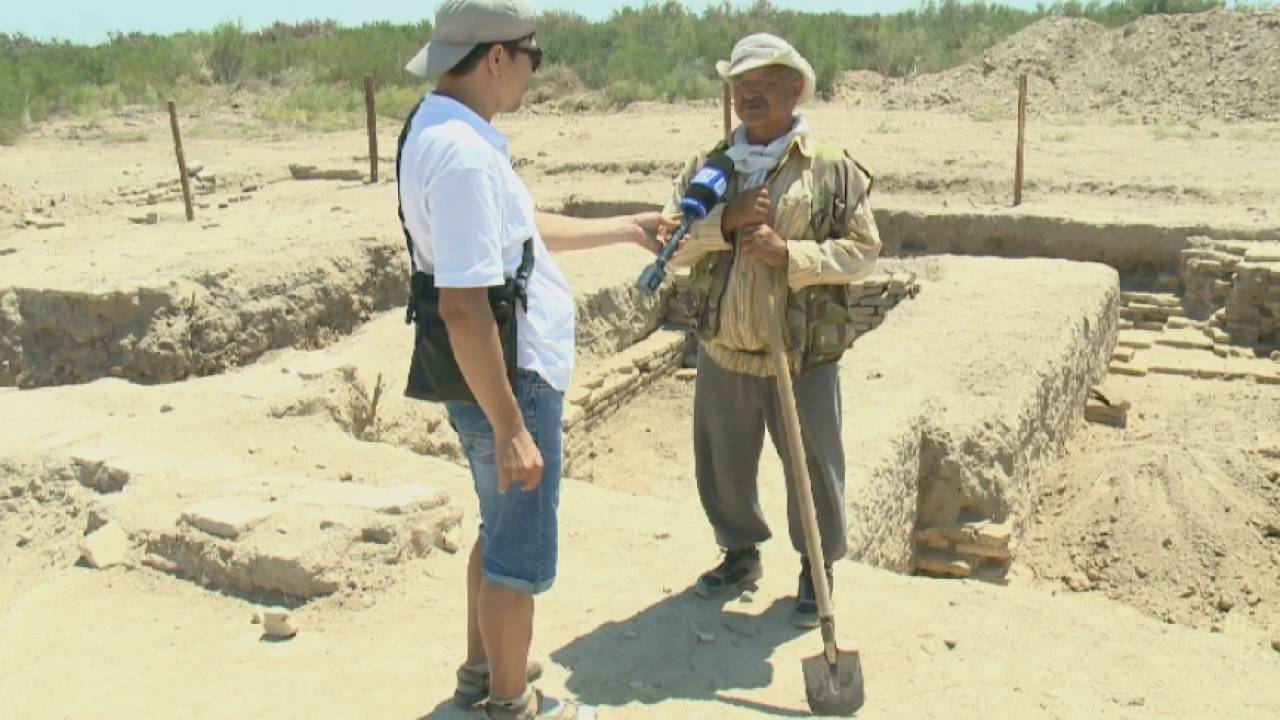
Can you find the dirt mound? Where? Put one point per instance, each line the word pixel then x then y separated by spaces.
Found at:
pixel 1176 514
pixel 1222 64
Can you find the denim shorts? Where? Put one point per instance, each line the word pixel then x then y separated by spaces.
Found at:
pixel 518 528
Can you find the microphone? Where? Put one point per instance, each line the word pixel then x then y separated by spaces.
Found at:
pixel 705 191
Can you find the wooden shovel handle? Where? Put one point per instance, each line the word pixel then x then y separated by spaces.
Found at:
pixel 799 464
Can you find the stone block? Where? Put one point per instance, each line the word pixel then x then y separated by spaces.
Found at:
pixel 1130 370
pixel 1172 370
pixel 996 534
pixel 105 547
pixel 944 564
pixel 1186 340
pixel 578 395
pixel 992 552
pixel 228 517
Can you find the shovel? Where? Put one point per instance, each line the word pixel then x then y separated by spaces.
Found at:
pixel 832 678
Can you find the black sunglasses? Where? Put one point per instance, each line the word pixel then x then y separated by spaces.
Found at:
pixel 535 54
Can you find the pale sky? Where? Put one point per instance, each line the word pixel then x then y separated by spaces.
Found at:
pixel 89 21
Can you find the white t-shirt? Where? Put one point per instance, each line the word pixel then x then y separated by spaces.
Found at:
pixel 469 215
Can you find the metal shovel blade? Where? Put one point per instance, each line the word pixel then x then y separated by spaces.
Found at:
pixel 833 691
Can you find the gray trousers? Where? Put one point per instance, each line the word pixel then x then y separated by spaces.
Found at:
pixel 730 414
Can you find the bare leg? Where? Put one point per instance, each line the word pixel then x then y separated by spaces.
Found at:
pixel 475 643
pixel 506 624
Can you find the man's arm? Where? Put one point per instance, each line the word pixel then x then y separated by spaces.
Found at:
pixel 563 233
pixel 842 260
pixel 473 335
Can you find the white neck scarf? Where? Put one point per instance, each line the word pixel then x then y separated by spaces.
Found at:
pixel 755 162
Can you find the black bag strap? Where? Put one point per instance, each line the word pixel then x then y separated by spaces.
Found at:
pixel 404 135
pixel 523 272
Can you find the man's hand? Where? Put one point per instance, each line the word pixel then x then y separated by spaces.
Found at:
pixel 651 230
pixel 765 246
pixel 519 460
pixel 748 208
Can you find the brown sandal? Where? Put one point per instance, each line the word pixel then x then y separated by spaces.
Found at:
pixel 536 706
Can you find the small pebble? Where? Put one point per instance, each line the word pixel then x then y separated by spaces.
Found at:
pixel 166 408
pixel 630 634
pixel 951 643
pixel 706 638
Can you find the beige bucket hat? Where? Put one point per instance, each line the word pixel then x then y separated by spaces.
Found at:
pixel 761 50
pixel 463 24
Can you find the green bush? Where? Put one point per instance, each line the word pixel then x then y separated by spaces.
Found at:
pixel 227 56
pixel 656 51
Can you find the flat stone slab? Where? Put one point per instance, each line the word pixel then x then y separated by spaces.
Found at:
pixel 105 547
pixel 1186 340
pixel 228 517
pixel 395 500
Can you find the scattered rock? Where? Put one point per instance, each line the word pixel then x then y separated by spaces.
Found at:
pixel 747 597
pixel 1077 582
pixel 166 408
pixel 1225 604
pixel 7 251
pixel 105 547
pixel 1275 644
pixel 25 539
pixel 451 540
pixel 256 619
pixel 311 172
pixel 951 643
pixel 706 638
pixel 687 374
pixel 276 624
pixel 630 634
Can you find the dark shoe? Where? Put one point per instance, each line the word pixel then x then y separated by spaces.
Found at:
pixel 738 568
pixel 806 608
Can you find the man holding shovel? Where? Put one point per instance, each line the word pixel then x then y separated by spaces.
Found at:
pixel 795 230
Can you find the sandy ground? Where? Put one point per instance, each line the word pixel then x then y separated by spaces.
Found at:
pixel 136 643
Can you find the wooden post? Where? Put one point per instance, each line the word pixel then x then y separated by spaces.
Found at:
pixel 372 121
pixel 728 115
pixel 182 160
pixel 1022 139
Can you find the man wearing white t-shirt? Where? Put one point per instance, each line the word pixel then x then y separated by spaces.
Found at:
pixel 468 216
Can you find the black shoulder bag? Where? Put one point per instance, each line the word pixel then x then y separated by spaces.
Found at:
pixel 434 374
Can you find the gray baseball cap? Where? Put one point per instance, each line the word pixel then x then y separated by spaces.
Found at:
pixel 463 24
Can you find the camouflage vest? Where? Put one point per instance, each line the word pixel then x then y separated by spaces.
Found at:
pixel 820 321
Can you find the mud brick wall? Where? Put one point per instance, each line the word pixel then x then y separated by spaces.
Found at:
pixel 1207 276
pixel 980 549
pixel 598 396
pixel 1237 286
